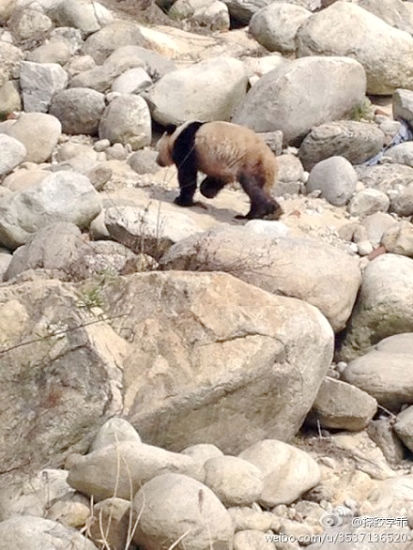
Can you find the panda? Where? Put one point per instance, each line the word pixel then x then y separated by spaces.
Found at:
pixel 225 153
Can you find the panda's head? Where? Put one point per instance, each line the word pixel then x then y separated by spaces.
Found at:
pixel 165 146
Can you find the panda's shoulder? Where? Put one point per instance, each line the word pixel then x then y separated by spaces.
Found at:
pixel 185 139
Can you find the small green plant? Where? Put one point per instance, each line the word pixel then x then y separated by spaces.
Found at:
pixel 91 298
pixel 362 111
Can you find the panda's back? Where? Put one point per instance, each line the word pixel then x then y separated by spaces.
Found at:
pixel 224 148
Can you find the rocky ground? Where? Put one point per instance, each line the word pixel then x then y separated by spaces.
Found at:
pixel 176 378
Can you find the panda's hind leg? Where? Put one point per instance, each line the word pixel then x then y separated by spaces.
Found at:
pixel 210 187
pixel 262 204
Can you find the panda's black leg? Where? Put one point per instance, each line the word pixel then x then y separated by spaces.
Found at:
pixel 187 184
pixel 262 205
pixel 210 187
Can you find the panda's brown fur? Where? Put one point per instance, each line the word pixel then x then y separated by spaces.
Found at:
pixel 225 153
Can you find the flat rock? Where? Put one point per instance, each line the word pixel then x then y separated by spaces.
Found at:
pixel 148 230
pixel 342 406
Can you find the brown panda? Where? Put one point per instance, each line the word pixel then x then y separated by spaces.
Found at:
pixel 226 153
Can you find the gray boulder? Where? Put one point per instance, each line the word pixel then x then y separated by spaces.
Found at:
pixel 384 371
pixel 208 90
pixel 367 202
pixel 122 468
pixel 191 513
pixel 53 247
pixel 79 110
pixel 39 133
pixel 276 25
pixel 81 14
pixel 39 83
pixel 235 481
pixel 61 197
pixel 315 89
pixel 114 35
pixel 398 239
pixel 288 472
pixel 401 154
pixel 384 306
pixel 342 406
pixel 347 29
pixel 335 178
pixel 127 120
pixel 355 141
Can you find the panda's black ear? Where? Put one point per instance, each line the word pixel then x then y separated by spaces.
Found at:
pixel 170 129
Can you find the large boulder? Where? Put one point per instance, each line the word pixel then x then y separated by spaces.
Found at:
pixel 39 82
pixel 384 372
pixel 191 513
pixel 346 29
pixel 314 89
pixel 127 120
pixel 384 306
pixel 60 376
pixel 208 90
pixel 119 33
pixel 315 272
pixel 288 472
pixel 39 133
pixel 276 25
pixel 233 346
pixel 341 406
pixel 80 14
pixel 355 141
pixel 61 197
pixel 79 110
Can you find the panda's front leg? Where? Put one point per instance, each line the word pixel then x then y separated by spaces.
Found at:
pixel 187 183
